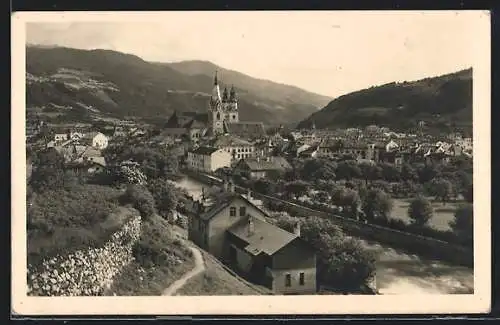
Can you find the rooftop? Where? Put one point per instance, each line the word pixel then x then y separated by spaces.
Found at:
pixel 204 150
pixel 265 237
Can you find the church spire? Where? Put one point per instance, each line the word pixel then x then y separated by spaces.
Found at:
pixel 232 94
pixel 216 91
pixel 225 95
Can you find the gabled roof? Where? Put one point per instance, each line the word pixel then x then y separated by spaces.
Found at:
pixel 274 163
pixel 246 129
pixel 265 237
pixel 230 141
pixel 90 135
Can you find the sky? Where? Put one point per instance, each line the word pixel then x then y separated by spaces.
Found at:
pixel 327 52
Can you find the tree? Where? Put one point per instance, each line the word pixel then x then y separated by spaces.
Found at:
pixel 164 194
pixel 377 204
pixel 408 173
pixel 468 193
pixel 420 211
pixel 346 198
pixel 390 173
pixel 441 188
pixel 263 186
pixel 370 172
pixel 428 172
pixel 141 199
pixel 296 188
pixel 130 173
pixel 321 196
pixel 463 222
pixel 348 170
pixel 342 262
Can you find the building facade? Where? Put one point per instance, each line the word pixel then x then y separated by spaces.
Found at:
pixel 222 108
pixel 208 159
pixel 233 229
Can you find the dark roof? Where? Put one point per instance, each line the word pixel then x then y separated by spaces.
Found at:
pixel 194 124
pixel 174 131
pixel 219 201
pixel 204 150
pixel 274 163
pixel 230 141
pixel 265 237
pixel 246 129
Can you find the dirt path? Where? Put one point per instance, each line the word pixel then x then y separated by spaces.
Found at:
pixel 198 268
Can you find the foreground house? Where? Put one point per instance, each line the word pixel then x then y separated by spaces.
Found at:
pixel 233 229
pixel 208 159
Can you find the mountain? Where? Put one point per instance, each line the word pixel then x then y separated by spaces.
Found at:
pixel 280 93
pixel 82 83
pixel 441 102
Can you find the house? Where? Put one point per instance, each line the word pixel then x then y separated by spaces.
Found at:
pixel 95 139
pixel 237 147
pixel 208 159
pixel 89 154
pixel 233 229
pixel 86 167
pixel 246 130
pixel 262 167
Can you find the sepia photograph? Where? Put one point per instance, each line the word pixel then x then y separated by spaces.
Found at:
pixel 251 162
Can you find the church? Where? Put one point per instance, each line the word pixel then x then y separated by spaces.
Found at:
pixel 222 118
pixel 223 115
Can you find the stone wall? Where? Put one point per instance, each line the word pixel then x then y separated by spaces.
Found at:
pixel 85 272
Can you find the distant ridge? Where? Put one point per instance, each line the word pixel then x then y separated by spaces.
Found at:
pixel 442 102
pixel 152 90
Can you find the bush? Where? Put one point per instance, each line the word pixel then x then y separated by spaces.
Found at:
pixel 156 245
pixel 141 199
pixel 420 211
pixel 61 221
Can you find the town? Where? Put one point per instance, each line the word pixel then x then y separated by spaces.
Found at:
pixel 279 209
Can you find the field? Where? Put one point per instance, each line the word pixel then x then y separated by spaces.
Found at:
pixel 216 281
pixel 443 214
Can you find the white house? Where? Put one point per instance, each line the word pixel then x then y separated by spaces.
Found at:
pixel 208 159
pixel 95 139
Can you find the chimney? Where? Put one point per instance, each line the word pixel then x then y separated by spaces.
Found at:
pixel 249 194
pixel 296 229
pixel 231 187
pixel 226 186
pixel 251 228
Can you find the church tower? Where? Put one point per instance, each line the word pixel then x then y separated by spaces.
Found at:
pixel 215 111
pixel 222 109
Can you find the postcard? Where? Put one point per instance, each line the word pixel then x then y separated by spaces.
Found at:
pixel 239 162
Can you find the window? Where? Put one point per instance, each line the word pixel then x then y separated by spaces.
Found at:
pixel 288 280
pixel 232 212
pixel 301 278
pixel 243 211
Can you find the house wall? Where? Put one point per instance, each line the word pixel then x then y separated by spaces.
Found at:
pixel 243 260
pixel 279 281
pixel 219 159
pixel 221 222
pixel 258 174
pixel 293 259
pixel 100 141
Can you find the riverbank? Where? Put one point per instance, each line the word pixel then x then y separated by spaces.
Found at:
pixel 397 271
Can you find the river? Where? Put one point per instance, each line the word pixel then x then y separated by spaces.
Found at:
pixel 398 272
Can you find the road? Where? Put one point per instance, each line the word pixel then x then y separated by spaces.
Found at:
pixel 199 267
